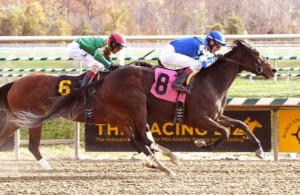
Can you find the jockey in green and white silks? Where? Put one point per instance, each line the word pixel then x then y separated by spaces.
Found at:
pixel 95 51
pixel 181 52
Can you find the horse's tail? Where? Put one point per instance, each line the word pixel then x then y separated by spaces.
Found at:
pixel 3 96
pixel 69 106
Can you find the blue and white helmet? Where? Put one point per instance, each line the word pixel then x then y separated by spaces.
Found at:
pixel 216 36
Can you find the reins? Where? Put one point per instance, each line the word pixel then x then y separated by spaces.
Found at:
pixel 258 67
pixel 141 58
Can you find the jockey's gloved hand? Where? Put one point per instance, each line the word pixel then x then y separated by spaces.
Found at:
pixel 220 56
pixel 108 68
pixel 113 66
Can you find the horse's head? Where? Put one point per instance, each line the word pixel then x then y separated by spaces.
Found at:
pixel 253 61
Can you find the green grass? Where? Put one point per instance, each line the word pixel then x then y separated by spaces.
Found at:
pixel 265 88
pixel 59 128
pixel 39 64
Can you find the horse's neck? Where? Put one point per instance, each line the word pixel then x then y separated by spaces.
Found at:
pixel 220 76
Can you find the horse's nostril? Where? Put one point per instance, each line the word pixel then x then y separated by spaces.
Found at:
pixel 274 70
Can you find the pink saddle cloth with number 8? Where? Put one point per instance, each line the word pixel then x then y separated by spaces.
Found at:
pixel 162 86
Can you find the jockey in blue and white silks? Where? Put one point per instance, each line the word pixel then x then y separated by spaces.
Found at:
pixel 181 52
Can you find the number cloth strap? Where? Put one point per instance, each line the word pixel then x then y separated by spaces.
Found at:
pixel 162 86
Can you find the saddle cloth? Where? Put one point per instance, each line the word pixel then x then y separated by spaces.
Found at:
pixel 162 86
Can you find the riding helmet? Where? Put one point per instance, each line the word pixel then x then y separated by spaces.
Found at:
pixel 217 37
pixel 117 38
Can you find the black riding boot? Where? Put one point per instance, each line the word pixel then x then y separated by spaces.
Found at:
pixel 87 78
pixel 178 83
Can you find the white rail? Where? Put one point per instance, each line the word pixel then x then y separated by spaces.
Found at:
pixel 145 37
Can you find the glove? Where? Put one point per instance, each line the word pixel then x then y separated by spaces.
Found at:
pixel 109 68
pixel 220 56
pixel 113 66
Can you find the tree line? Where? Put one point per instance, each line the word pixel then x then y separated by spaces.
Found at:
pixel 151 17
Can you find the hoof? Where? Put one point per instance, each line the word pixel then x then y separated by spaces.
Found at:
pixel 44 164
pixel 174 159
pixel 168 171
pixel 172 173
pixel 200 143
pixel 152 166
pixel 260 153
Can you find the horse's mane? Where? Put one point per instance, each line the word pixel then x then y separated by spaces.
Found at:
pixel 141 63
pixel 135 63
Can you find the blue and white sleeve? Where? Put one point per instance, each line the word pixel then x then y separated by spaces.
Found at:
pixel 210 61
pixel 203 61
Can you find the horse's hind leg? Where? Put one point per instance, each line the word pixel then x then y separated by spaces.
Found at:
pixel 230 122
pixel 34 144
pixel 7 130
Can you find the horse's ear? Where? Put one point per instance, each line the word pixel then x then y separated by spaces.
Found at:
pixel 241 43
pixel 238 42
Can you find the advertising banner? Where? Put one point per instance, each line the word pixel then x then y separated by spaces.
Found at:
pixel 289 131
pixel 181 137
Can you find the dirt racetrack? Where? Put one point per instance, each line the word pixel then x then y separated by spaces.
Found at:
pixel 130 177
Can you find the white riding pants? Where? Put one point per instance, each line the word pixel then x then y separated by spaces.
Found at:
pixel 170 57
pixel 76 53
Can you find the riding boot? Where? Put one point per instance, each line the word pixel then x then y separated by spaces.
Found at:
pixel 87 78
pixel 178 83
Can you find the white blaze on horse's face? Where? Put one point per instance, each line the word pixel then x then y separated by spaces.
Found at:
pixel 261 65
pixel 267 70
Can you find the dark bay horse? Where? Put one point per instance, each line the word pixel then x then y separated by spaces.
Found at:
pixel 34 93
pixel 126 99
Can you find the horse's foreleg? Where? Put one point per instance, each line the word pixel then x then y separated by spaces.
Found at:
pixel 161 166
pixel 165 151
pixel 156 147
pixel 230 122
pixel 129 134
pixel 151 156
pixel 149 134
pixel 34 144
pixel 142 140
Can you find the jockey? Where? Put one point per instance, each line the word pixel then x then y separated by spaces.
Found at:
pixel 95 52
pixel 181 52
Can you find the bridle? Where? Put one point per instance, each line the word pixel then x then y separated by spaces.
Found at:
pixel 258 66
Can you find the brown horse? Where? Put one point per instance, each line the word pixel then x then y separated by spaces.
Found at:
pixel 126 99
pixel 34 93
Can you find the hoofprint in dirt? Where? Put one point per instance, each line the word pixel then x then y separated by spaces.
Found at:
pixel 131 177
